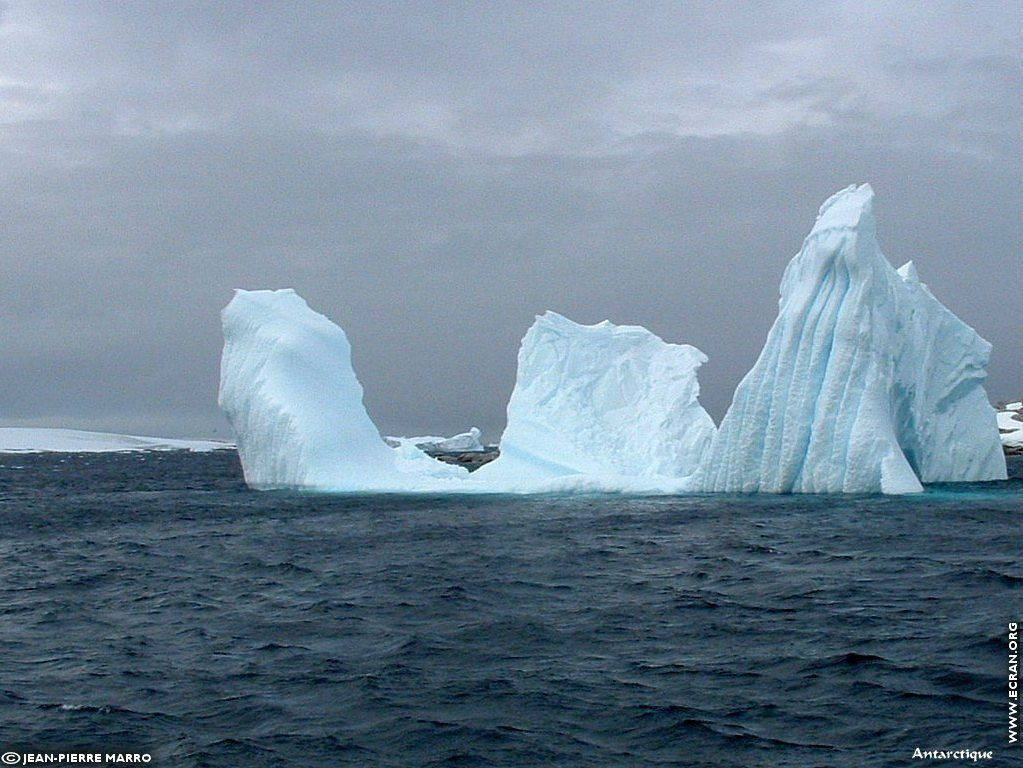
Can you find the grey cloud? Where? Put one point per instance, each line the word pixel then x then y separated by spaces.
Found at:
pixel 433 175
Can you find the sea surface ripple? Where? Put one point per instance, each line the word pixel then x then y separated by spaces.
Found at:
pixel 152 603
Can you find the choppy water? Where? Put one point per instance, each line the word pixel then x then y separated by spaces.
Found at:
pixel 152 603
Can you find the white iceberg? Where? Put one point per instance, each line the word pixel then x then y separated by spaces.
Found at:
pixel 288 389
pixel 602 401
pixel 866 382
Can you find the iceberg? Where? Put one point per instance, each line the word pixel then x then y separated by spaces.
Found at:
pixel 866 383
pixel 289 392
pixel 288 389
pixel 603 401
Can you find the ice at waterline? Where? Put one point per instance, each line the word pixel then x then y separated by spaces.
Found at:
pixel 866 384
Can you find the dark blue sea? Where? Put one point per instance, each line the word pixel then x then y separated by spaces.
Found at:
pixel 150 603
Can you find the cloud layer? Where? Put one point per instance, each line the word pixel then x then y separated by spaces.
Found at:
pixel 431 176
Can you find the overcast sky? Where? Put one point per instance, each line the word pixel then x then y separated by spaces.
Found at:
pixel 432 175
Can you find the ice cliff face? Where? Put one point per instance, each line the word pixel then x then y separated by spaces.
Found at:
pixel 866 382
pixel 602 400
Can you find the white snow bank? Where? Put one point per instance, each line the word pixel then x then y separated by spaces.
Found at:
pixel 1010 425
pixel 866 382
pixel 464 442
pixel 603 401
pixel 41 440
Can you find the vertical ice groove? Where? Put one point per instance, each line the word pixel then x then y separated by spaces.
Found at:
pixel 837 285
pixel 836 407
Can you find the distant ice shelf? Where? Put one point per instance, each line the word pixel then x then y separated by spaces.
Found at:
pixel 45 440
pixel 866 384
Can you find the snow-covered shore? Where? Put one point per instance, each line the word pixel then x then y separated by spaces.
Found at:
pixel 44 440
pixel 1010 426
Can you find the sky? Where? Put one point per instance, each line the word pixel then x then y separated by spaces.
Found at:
pixel 432 175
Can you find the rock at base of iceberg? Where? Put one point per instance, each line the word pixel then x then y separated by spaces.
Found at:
pixel 866 382
pixel 604 401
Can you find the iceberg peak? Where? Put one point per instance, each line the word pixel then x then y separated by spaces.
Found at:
pixel 288 389
pixel 845 209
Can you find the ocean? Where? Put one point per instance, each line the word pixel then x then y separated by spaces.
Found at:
pixel 153 605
